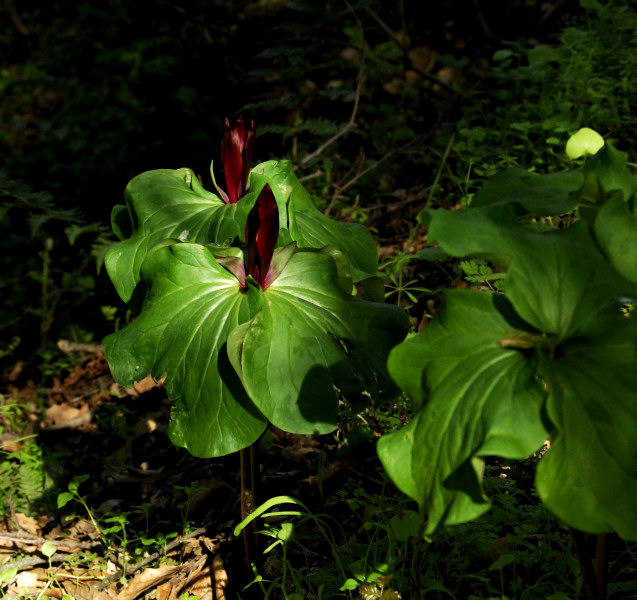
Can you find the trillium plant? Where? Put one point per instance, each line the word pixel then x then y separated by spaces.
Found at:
pixel 550 363
pixel 244 303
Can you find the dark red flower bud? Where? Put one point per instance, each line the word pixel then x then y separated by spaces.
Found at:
pixel 262 232
pixel 236 155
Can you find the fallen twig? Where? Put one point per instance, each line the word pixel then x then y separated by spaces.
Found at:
pixel 68 346
pixel 130 569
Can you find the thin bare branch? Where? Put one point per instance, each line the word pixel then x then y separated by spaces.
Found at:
pixel 351 124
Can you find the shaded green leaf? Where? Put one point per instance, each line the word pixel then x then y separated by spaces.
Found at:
pixel 550 194
pixel 558 281
pixel 481 399
pixel 610 167
pixel 588 477
pixel 616 232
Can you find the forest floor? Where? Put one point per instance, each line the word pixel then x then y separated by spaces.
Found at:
pixel 155 517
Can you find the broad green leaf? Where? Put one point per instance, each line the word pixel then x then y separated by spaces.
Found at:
pixel 561 284
pixel 290 345
pixel 588 477
pixel 165 204
pixel 396 452
pixel 192 306
pixel 610 168
pixel 551 194
pixel 481 399
pixel 310 337
pixel 406 525
pixel 616 232
pixel 310 228
pixel 558 281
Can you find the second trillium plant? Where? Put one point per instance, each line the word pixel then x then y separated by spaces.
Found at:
pixel 245 303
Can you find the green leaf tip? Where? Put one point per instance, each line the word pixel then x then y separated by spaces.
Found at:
pixel 583 143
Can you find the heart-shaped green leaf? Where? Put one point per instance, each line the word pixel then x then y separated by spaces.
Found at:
pixel 192 306
pixel 309 338
pixel 585 141
pixel 482 399
pixel 290 345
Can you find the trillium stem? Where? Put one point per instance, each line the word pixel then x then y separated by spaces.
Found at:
pixel 248 467
pixel 593 570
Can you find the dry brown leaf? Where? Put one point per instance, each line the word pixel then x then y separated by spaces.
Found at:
pixel 200 583
pixel 423 58
pixel 58 413
pixel 81 591
pixel 27 582
pixel 147 579
pixel 221 578
pixel 164 590
pixel 82 528
pixel 28 524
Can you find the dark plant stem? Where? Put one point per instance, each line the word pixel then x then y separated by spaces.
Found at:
pixel 601 563
pixel 248 469
pixel 593 570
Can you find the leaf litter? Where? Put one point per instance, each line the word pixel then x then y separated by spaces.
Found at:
pixel 166 517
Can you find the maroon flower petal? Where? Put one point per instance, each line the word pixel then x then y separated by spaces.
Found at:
pixel 262 232
pixel 236 155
